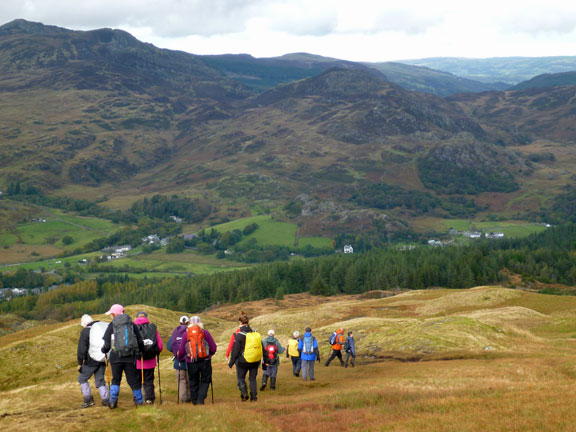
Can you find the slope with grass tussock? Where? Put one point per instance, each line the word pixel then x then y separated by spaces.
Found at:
pixel 511 354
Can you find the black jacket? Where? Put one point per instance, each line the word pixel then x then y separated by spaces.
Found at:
pixel 113 356
pixel 237 354
pixel 83 345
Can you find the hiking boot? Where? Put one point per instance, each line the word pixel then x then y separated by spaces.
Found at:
pixel 346 365
pixel 89 402
pixel 272 383
pixel 244 397
pixel 105 402
pixel 113 404
pixel 253 398
pixel 149 402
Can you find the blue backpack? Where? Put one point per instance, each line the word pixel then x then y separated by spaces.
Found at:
pixel 308 345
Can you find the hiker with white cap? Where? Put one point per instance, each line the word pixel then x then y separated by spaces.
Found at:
pixel 91 360
pixel 199 349
pixel 293 354
pixel 177 339
pixel 124 349
pixel 270 360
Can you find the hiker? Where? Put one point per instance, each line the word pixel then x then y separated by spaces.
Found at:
pixel 270 360
pixel 91 361
pixel 199 349
pixel 246 355
pixel 146 363
pixel 293 354
pixel 127 347
pixel 231 343
pixel 336 340
pixel 177 339
pixel 309 353
pixel 350 349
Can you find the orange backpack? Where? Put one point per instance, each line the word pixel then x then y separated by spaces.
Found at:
pixel 196 345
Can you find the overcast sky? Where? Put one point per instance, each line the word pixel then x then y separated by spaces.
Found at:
pixel 358 30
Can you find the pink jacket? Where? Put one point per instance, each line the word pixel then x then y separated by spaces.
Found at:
pixel 150 363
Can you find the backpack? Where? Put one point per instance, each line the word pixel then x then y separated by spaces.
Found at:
pixel 332 339
pixel 293 348
pixel 271 357
pixel 97 331
pixel 177 339
pixel 197 347
pixel 308 345
pixel 253 347
pixel 125 342
pixel 148 333
pixel 346 346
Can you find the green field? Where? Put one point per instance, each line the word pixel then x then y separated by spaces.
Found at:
pixel 58 225
pixel 269 232
pixel 316 242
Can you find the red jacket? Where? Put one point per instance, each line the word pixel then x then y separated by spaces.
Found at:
pixel 231 343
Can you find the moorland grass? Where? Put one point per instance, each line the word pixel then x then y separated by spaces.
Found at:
pixel 524 384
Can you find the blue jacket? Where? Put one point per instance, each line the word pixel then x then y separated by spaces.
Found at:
pixel 351 345
pixel 312 356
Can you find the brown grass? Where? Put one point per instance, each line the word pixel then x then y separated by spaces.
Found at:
pixel 515 386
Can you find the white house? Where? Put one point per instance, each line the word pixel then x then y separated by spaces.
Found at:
pixel 348 249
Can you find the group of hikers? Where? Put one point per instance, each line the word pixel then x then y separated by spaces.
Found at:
pixel 132 348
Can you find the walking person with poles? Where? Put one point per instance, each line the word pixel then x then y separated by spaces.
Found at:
pixel 91 360
pixel 199 349
pixel 177 339
pixel 124 349
pixel 147 362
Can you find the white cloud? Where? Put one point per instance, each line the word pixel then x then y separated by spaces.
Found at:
pixel 371 30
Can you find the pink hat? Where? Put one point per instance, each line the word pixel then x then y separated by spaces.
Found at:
pixel 116 309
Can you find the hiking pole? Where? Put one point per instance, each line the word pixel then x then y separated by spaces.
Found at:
pixel 178 378
pixel 107 372
pixel 142 367
pixel 212 389
pixel 159 380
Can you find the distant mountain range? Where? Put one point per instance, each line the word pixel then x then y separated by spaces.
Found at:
pixel 509 70
pixel 101 115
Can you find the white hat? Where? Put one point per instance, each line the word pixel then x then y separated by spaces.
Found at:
pixel 184 319
pixel 270 332
pixel 85 320
pixel 195 320
pixel 296 334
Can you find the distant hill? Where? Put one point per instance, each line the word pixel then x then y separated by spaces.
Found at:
pixel 548 80
pixel 262 74
pixel 511 70
pixel 427 80
pixel 100 115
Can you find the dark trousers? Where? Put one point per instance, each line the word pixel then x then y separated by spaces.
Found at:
pixel 351 357
pixel 241 376
pixel 335 353
pixel 149 384
pixel 132 375
pixel 200 377
pixel 296 365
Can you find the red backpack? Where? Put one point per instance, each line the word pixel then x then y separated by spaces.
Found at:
pixel 271 356
pixel 196 345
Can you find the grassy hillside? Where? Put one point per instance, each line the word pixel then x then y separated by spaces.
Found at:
pixel 488 358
